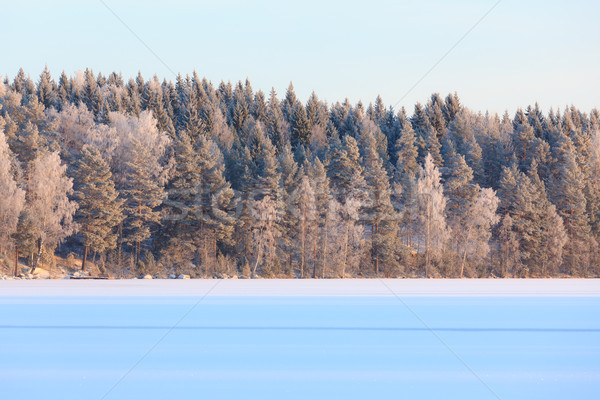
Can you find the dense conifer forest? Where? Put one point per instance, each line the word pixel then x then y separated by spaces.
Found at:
pixel 185 177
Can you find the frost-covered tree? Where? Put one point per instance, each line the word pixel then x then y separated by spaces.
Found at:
pixel 142 194
pixel 432 206
pixel 48 190
pixel 523 197
pixel 566 191
pixel 214 202
pixel 12 198
pixel 100 210
pixel 478 221
pixel 322 214
pixel 379 212
pixel 265 230
pixel 303 203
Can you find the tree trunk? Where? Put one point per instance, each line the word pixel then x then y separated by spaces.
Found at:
pixel 137 253
pixel 85 252
pixel 346 248
pixel 427 241
pixel 375 250
pixel 316 239
pixel 303 258
pixel 325 247
pixel 39 256
pixel 16 261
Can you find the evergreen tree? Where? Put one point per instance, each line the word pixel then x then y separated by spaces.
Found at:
pixel 451 107
pixel 300 127
pixel 100 210
pixel 290 180
pixel 142 194
pixel 322 216
pixel 523 197
pixel 179 225
pixel 566 191
pixel 24 237
pixel 214 202
pixel 344 170
pixel 46 90
pixel 277 126
pixel 380 213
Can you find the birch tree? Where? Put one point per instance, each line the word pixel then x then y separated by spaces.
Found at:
pixel 432 205
pixel 49 190
pixel 12 198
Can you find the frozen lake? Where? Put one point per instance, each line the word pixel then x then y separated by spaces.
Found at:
pixel 311 339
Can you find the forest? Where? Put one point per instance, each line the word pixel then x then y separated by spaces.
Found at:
pixel 185 177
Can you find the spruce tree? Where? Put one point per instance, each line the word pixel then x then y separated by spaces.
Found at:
pixel 47 90
pixel 214 202
pixel 288 170
pixel 300 127
pixel 566 191
pixel 380 213
pixel 322 216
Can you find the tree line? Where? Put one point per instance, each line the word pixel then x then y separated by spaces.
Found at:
pixel 178 177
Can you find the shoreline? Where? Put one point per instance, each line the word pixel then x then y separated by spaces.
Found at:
pixel 571 287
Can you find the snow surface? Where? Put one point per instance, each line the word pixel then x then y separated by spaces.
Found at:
pixel 313 339
pixel 304 287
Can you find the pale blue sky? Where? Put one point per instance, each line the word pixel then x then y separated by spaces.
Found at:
pixel 521 52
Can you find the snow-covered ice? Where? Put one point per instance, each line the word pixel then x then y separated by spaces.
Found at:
pixel 291 339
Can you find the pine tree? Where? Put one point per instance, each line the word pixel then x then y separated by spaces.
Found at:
pixel 25 237
pixel 100 210
pixel 27 144
pixel 142 194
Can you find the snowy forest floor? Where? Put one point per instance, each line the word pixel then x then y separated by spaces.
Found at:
pixel 299 339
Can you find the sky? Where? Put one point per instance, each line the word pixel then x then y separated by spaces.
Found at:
pixel 520 53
